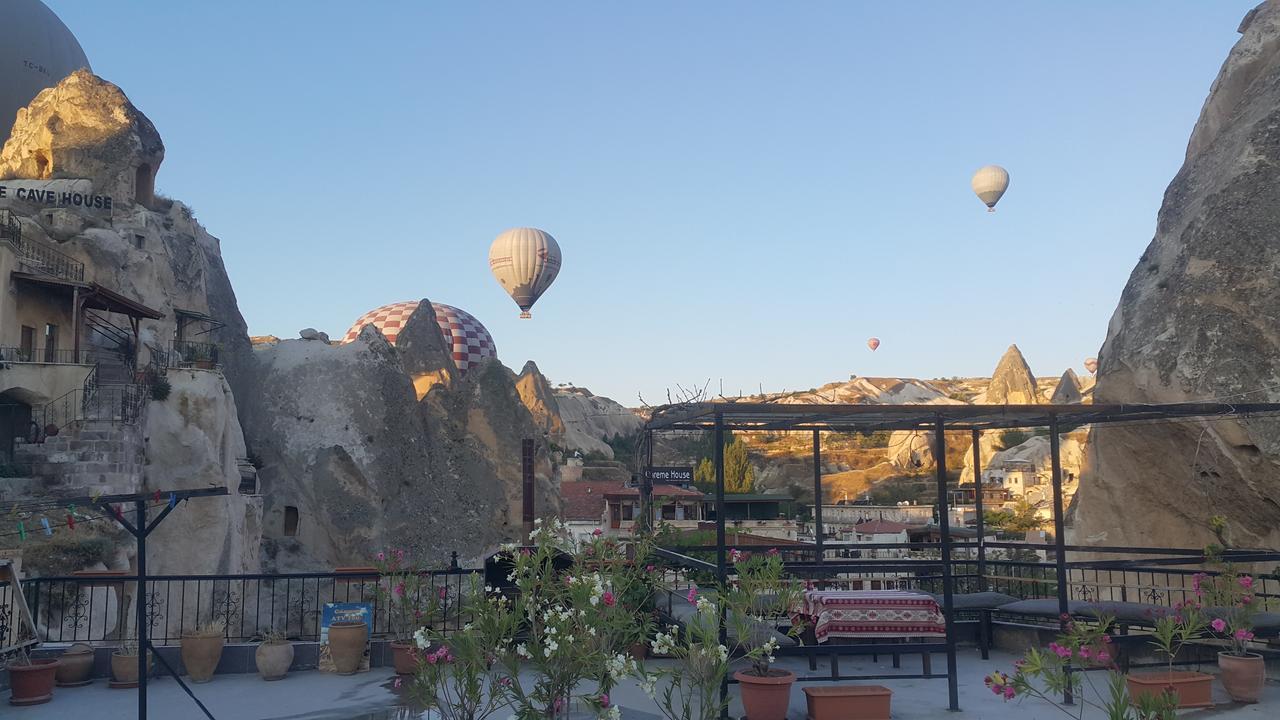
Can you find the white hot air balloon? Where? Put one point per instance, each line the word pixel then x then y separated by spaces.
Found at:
pixel 36 53
pixel 525 262
pixel 1091 364
pixel 989 184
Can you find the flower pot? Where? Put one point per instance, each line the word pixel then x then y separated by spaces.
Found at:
pixel 200 655
pixel 639 651
pixel 848 702
pixel 1242 675
pixel 76 665
pixel 124 670
pixel 32 684
pixel 347 641
pixel 274 660
pixel 765 697
pixel 1194 689
pixel 404 655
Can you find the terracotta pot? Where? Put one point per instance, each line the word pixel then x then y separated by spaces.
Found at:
pixel 76 665
pixel 848 702
pixel 1242 675
pixel 639 650
pixel 124 670
pixel 765 697
pixel 200 655
pixel 274 660
pixel 32 684
pixel 1194 689
pixel 404 655
pixel 347 642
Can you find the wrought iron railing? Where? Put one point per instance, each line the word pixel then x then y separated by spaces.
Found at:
pixel 37 256
pixel 95 609
pixel 188 353
pixel 44 355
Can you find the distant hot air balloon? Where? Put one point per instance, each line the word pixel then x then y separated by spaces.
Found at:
pixel 1091 364
pixel 989 183
pixel 525 261
pixel 873 343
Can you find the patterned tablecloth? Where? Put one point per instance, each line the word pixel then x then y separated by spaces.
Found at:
pixel 872 614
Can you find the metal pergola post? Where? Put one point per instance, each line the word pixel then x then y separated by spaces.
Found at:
pixel 817 495
pixel 944 525
pixel 978 509
pixel 646 486
pixel 1059 538
pixel 722 569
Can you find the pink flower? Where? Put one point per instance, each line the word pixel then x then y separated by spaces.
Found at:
pixel 597 532
pixel 382 556
pixel 648 568
pixel 1196 580
pixel 442 592
pixel 526 552
pixel 772 551
pixel 1246 599
pixel 1085 652
pixel 559 703
pixel 1243 635
pixel 693 594
pixel 1009 692
pixel 604 700
pixel 399 588
pixel 397 683
pixel 1246 581
pixel 1102 656
pixel 505 682
pixel 1060 650
pixel 1106 639
pixel 1218 625
pixel 734 555
pixel 608 598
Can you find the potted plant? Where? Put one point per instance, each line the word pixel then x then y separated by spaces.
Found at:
pixel 202 649
pixel 1230 596
pixel 76 665
pixel 274 655
pixel 460 680
pixel 31 681
pixel 690 688
pixel 347 641
pixel 759 601
pixel 124 665
pixel 1173 631
pixel 408 602
pixel 1044 675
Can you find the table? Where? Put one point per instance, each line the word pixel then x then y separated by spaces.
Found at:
pixel 872 614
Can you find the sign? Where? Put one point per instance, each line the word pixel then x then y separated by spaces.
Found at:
pixel 670 475
pixel 68 193
pixel 343 612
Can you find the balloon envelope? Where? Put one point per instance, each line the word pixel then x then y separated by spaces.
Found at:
pixel 525 261
pixel 37 52
pixel 1091 364
pixel 989 184
pixel 873 343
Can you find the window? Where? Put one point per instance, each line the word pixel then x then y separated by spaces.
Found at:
pixel 139 241
pixel 628 512
pixel 143 184
pixel 290 521
pixel 50 342
pixel 27 347
pixel 668 512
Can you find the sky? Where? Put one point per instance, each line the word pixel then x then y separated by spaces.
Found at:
pixel 744 192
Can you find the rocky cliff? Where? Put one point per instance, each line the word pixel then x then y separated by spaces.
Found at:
pixel 1199 319
pixel 590 420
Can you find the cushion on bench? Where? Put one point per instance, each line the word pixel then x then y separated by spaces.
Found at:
pixel 1041 607
pixel 1127 612
pixel 978 600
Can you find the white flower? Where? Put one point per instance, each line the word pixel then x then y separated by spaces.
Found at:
pixel 522 651
pixel 724 653
pixel 420 639
pixel 705 605
pixel 613 713
pixel 649 684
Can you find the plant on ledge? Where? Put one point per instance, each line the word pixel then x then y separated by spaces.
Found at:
pixel 691 687
pixel 1232 598
pixel 408 602
pixel 762 599
pixel 1043 674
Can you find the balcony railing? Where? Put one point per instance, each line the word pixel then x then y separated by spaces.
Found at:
pixel 187 353
pixel 44 355
pixel 37 256
pixel 94 608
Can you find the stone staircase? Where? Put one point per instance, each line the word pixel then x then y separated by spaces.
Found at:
pixel 94 455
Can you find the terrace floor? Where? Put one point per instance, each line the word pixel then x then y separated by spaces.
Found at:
pixel 313 695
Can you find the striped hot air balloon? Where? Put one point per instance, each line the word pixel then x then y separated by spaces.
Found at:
pixel 525 262
pixel 989 184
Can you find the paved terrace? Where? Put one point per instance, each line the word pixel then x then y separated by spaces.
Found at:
pixel 313 695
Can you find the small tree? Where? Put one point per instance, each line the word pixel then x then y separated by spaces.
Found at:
pixel 739 476
pixel 1020 519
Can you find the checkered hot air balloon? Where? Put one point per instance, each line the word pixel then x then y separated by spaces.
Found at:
pixel 469 342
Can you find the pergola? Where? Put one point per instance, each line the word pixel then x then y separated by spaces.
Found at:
pixel 719 417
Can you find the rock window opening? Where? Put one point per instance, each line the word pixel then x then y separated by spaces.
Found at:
pixel 27 346
pixel 143 184
pixel 44 168
pixel 139 241
pixel 290 521
pixel 50 342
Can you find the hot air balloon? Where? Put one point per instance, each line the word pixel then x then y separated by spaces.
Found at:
pixel 465 339
pixel 1091 364
pixel 989 183
pixel 38 51
pixel 525 261
pixel 873 343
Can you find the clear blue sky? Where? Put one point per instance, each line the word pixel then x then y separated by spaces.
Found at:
pixel 743 191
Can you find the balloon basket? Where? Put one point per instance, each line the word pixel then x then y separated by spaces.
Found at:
pixel 525 315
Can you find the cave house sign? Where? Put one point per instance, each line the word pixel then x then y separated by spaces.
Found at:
pixel 55 194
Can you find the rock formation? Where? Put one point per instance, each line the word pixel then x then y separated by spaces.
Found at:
pixel 911 450
pixel 539 398
pixel 1068 390
pixel 1012 383
pixel 85 128
pixel 1200 320
pixel 590 420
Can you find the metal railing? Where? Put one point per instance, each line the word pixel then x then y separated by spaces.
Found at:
pixel 122 404
pixel 188 353
pixel 96 608
pixel 44 355
pixel 37 256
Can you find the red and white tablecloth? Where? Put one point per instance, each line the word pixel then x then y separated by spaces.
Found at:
pixel 872 614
